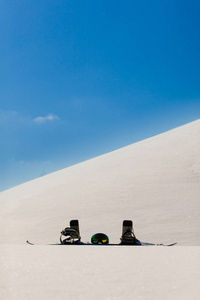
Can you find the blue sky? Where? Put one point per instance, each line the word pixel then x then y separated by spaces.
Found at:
pixel 81 78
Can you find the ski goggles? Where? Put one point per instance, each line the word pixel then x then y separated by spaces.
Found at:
pixel 99 238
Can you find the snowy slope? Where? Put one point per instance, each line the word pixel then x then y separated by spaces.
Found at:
pixel 156 183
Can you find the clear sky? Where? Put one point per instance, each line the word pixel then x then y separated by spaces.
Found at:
pixel 81 78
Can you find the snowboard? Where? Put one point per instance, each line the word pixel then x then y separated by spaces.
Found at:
pixel 70 236
pixel 101 245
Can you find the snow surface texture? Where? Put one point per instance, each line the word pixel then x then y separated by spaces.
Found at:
pixel 156 183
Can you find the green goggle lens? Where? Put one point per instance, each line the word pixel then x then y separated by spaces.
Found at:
pixel 99 238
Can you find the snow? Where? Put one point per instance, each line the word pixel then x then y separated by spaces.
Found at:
pixel 156 183
pixel 53 272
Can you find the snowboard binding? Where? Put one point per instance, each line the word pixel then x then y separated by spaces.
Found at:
pixel 128 236
pixel 71 235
